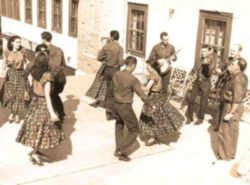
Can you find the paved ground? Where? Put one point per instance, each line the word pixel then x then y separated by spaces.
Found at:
pixel 86 157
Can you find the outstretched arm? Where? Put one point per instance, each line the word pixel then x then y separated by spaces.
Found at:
pixel 52 113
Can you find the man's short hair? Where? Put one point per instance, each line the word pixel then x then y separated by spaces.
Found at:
pixel 130 60
pixel 115 35
pixel 163 34
pixel 46 36
pixel 242 63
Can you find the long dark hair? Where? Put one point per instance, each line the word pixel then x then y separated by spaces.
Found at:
pixel 40 67
pixel 10 42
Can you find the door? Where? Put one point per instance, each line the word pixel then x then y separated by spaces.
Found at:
pixel 214 31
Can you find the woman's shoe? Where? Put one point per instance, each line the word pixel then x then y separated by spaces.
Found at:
pixel 34 158
pixel 43 158
pixel 37 160
pixel 124 157
pixel 17 120
pixel 151 142
pixel 11 118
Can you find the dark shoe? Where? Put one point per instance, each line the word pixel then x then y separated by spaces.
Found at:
pixel 109 115
pixel 124 157
pixel 188 121
pixel 117 153
pixel 198 122
pixel 95 104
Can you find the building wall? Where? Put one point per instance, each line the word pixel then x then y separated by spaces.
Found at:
pixel 33 32
pixel 182 27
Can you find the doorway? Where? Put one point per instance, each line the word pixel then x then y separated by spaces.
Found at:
pixel 214 31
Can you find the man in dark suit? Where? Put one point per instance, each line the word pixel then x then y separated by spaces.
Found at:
pixel 57 65
pixel 111 55
pixel 202 85
pixel 124 86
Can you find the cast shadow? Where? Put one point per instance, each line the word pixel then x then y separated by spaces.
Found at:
pixel 4 114
pixel 62 151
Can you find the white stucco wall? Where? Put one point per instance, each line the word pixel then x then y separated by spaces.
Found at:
pixel 182 27
pixel 33 32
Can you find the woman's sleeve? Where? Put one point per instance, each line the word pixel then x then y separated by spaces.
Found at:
pixel 47 77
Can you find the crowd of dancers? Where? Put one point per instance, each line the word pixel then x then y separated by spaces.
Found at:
pixel 160 121
pixel 32 85
pixel 30 90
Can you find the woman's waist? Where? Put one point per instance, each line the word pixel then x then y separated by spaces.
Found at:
pixel 16 69
pixel 37 95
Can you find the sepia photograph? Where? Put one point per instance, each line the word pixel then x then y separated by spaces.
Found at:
pixel 124 92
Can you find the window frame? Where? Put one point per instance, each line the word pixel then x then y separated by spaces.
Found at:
pixel 12 9
pixel 54 27
pixel 28 20
pixel 214 16
pixel 138 7
pixel 71 32
pixel 3 6
pixel 39 22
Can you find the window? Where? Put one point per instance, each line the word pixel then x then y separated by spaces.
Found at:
pixel 214 31
pixel 28 11
pixel 13 9
pixel 3 8
pixel 10 8
pixel 73 14
pixel 41 13
pixel 57 16
pixel 137 29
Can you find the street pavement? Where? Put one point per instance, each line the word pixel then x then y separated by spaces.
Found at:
pixel 86 156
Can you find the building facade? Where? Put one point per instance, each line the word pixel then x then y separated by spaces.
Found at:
pixel 29 18
pixel 219 24
pixel 78 26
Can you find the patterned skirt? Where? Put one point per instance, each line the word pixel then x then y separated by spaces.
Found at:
pixel 14 88
pixel 163 123
pixel 98 89
pixel 37 131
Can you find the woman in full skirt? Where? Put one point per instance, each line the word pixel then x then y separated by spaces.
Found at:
pixel 162 124
pixel 39 130
pixel 16 86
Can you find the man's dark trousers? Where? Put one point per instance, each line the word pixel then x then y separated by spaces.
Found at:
pixel 125 116
pixel 203 89
pixel 108 75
